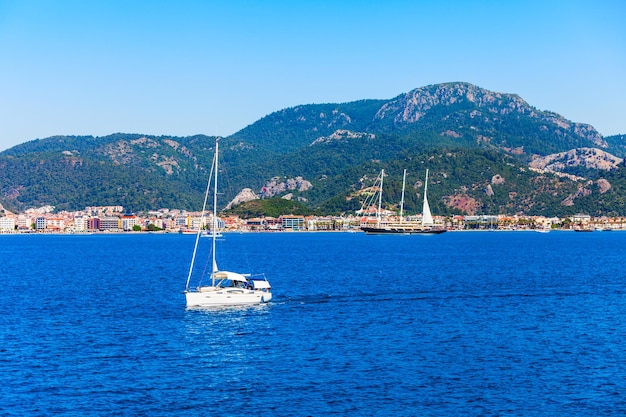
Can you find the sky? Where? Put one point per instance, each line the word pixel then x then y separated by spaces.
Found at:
pixel 189 67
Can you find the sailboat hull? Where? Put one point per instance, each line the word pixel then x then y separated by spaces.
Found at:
pixel 216 296
pixel 401 231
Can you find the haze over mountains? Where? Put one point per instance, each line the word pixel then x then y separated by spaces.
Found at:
pixel 487 152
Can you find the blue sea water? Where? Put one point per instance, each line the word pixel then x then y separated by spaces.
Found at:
pixel 467 323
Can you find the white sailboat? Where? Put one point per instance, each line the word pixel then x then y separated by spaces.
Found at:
pixel 226 287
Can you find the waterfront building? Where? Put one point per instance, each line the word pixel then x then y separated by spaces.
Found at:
pixel 7 224
pixel 196 222
pixel 581 218
pixel 256 224
pixel 128 222
pixel 80 223
pixel 55 224
pixel 93 223
pixel 155 222
pixel 321 223
pixel 292 223
pixel 230 223
pixel 182 222
pixel 110 223
pixel 272 223
pixel 40 223
pixel 24 222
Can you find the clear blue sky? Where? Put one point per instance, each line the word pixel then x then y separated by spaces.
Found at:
pixel 213 67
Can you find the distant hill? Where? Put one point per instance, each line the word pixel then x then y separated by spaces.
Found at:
pixel 617 145
pixel 484 149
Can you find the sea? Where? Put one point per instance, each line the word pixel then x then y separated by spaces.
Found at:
pixel 458 324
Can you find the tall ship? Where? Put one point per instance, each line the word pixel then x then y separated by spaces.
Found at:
pixel 427 225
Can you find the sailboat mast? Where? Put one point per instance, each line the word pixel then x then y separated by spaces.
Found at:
pixel 195 247
pixel 380 198
pixel 402 199
pixel 214 231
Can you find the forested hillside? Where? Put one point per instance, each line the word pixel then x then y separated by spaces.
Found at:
pixel 481 148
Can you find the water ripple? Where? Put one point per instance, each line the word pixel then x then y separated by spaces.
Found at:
pixel 511 327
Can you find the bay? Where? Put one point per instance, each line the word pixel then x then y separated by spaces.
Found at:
pixel 464 323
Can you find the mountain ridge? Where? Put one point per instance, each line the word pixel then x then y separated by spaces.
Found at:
pixel 330 146
pixel 416 104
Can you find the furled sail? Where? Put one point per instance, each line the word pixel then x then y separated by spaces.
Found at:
pixel 427 217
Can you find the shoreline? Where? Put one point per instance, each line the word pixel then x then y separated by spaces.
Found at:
pixel 133 233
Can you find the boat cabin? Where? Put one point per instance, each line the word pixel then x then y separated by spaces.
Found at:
pixel 227 279
pixel 260 284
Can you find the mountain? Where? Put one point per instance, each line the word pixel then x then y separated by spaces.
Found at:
pixel 455 113
pixel 135 171
pixel 575 160
pixel 487 152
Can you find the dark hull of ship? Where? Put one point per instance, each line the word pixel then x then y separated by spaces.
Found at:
pixel 401 231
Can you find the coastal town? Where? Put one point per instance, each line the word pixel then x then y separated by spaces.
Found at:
pixel 114 219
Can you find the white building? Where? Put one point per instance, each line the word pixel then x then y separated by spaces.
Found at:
pixel 128 222
pixel 7 224
pixel 24 222
pixel 55 223
pixel 80 223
